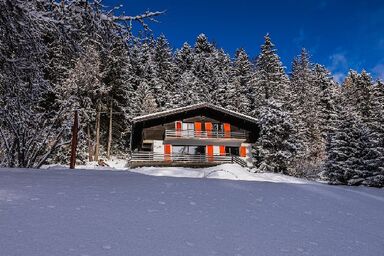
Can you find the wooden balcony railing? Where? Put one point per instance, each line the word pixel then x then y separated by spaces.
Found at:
pixel 143 156
pixel 204 134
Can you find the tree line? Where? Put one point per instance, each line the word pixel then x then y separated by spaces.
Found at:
pixel 57 56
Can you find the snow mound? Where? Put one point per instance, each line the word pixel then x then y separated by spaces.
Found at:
pixel 224 171
pixel 113 164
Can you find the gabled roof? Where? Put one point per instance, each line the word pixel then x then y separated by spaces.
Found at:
pixel 194 107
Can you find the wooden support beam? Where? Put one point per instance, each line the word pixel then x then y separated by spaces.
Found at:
pixel 75 129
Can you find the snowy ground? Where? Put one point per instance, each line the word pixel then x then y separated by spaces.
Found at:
pixel 96 212
pixel 225 171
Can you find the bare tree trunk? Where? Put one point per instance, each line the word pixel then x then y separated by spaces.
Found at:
pixel 110 133
pixel 97 148
pixel 90 145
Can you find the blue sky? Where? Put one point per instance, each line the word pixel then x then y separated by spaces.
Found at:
pixel 340 34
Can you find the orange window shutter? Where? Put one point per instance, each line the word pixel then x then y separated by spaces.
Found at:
pixel 198 129
pixel 243 151
pixel 222 150
pixel 197 126
pixel 210 150
pixel 178 125
pixel 208 128
pixel 167 152
pixel 227 130
pixel 167 149
pixel 227 127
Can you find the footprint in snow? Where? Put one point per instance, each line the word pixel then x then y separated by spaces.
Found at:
pixel 192 203
pixel 107 247
pixel 161 202
pixel 190 244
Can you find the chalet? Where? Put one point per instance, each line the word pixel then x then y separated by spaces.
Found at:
pixel 193 136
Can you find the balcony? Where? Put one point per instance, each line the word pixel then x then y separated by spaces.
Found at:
pixel 139 159
pixel 192 134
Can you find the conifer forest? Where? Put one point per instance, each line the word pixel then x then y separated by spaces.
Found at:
pixel 60 56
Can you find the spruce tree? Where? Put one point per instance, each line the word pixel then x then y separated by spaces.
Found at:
pixel 357 90
pixel 164 72
pixel 240 78
pixel 352 154
pixel 328 99
pixel 269 80
pixel 204 69
pixel 117 75
pixel 304 106
pixel 279 144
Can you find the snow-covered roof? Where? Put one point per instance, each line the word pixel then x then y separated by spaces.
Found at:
pixel 193 107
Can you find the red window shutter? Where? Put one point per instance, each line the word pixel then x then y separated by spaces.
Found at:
pixel 227 130
pixel 243 151
pixel 222 150
pixel 198 129
pixel 178 125
pixel 197 126
pixel 208 128
pixel 210 152
pixel 227 127
pixel 167 152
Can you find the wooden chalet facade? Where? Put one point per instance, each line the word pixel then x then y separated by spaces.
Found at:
pixel 193 136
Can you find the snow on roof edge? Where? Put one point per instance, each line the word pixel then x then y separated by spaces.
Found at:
pixel 194 106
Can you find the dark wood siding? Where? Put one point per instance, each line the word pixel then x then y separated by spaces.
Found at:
pixel 154 129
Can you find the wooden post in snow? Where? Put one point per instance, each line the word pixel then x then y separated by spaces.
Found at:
pixel 75 129
pixel 110 133
pixel 97 147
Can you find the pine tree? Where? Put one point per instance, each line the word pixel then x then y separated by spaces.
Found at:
pixel 204 69
pixel 352 153
pixel 183 59
pixel 117 75
pixel 186 92
pixel 278 145
pixel 222 90
pixel 357 89
pixel 241 75
pixel 146 100
pixel 186 81
pixel 164 69
pixel 304 106
pixel 269 80
pixel 328 99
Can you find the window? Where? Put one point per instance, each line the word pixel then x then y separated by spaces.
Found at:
pixel 188 126
pixel 232 151
pixel 218 127
pixel 189 150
